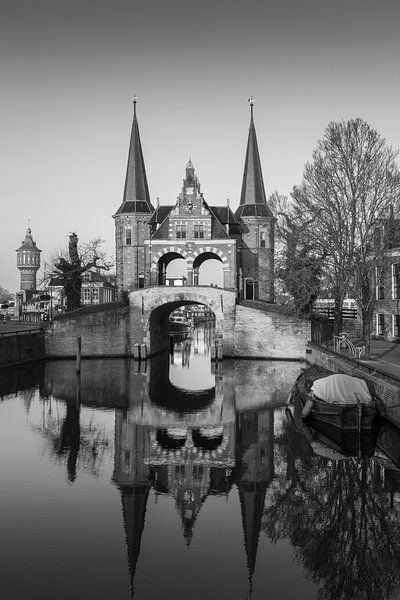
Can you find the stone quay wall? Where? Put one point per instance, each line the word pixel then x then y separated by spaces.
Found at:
pixel 262 334
pixel 103 333
pixel 21 348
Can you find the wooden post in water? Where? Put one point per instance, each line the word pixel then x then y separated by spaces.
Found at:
pixel 78 354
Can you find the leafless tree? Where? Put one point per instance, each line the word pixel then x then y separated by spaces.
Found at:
pixel 298 263
pixel 69 265
pixel 349 187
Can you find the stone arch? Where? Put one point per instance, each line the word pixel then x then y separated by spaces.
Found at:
pixel 150 309
pixel 211 250
pixel 173 249
pixel 162 259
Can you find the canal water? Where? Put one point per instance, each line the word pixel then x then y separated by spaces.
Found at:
pixel 181 478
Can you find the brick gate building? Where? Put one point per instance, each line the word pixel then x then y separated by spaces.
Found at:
pixel 149 238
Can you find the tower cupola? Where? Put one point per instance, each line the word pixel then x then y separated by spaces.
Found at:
pixel 28 261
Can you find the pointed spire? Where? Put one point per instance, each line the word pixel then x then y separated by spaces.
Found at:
pixel 136 197
pixel 252 498
pixel 252 199
pixel 134 504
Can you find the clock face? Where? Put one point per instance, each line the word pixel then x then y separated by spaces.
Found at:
pixel 189 206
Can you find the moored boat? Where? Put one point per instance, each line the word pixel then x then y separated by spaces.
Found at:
pixel 335 399
pixel 179 324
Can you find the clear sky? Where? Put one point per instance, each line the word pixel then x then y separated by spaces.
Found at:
pixel 69 70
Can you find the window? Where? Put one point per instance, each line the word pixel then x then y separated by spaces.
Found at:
pixel 141 281
pixel 198 230
pixel 396 281
pixel 181 231
pixel 263 239
pixel 380 324
pixel 95 295
pixel 86 295
pixel 380 289
pixel 128 237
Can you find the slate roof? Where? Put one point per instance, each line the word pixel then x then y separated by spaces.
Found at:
pixel 136 191
pixel 253 191
pixel 28 243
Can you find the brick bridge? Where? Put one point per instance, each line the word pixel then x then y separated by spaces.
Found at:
pixel 243 331
pixel 156 304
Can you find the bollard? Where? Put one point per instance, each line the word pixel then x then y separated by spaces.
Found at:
pixel 136 351
pixel 78 354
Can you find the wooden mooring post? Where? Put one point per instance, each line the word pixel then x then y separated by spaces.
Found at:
pixel 217 351
pixel 78 354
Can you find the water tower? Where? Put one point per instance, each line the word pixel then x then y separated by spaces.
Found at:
pixel 28 262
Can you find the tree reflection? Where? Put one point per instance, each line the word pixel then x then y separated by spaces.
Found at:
pixel 81 446
pixel 340 519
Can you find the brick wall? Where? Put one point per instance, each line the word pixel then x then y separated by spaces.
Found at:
pixel 20 349
pixel 260 334
pixel 103 333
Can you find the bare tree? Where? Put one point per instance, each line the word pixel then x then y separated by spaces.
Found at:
pixel 69 266
pixel 298 263
pixel 348 188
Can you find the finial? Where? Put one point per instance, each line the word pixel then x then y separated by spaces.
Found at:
pixel 158 202
pixel 227 202
pixel 251 102
pixel 134 104
pixel 29 226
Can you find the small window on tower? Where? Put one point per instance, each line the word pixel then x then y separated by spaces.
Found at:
pixel 263 239
pixel 128 237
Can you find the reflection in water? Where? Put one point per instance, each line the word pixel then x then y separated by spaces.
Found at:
pixel 204 464
pixel 339 509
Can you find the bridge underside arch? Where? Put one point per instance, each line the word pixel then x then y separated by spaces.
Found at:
pixel 152 306
pixel 159 334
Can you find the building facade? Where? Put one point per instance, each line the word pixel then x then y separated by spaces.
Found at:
pixel 149 238
pixel 386 311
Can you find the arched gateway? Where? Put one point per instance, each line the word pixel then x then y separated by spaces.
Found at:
pixel 155 305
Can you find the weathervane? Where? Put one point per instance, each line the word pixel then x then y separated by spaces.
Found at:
pixel 251 102
pixel 134 103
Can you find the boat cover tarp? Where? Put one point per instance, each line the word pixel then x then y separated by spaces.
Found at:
pixel 342 389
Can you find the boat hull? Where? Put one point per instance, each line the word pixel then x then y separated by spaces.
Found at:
pixel 351 416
